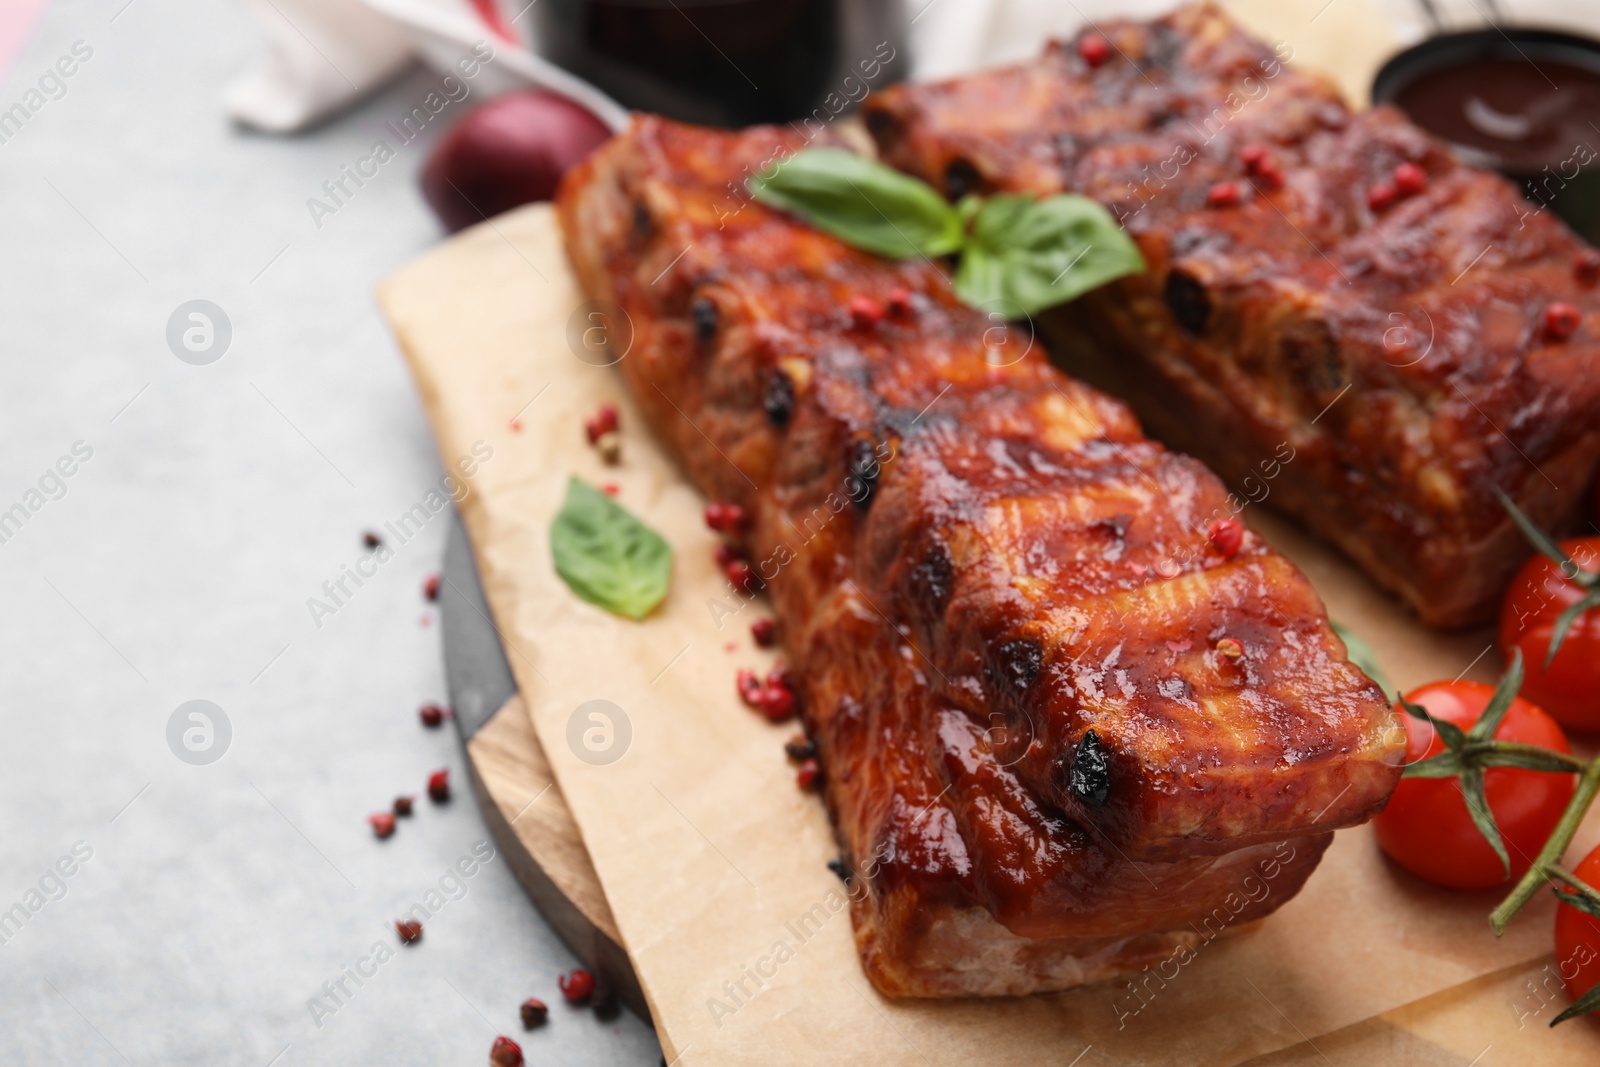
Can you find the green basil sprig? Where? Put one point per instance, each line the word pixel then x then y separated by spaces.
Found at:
pixel 1018 255
pixel 607 556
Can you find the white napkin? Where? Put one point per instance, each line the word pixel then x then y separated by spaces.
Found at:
pixel 325 55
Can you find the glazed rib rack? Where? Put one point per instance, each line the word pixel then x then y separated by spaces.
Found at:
pixel 1325 285
pixel 1061 725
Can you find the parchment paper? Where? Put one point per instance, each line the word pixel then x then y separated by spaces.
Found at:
pixel 712 858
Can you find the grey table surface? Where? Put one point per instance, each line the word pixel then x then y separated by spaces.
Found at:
pixel 209 906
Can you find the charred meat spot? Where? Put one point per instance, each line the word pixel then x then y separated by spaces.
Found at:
pixel 1312 358
pixel 960 178
pixel 644 224
pixel 880 123
pixel 1020 661
pixel 1189 302
pixel 704 312
pixel 777 399
pixel 862 468
pixel 933 579
pixel 1089 777
pixel 1115 525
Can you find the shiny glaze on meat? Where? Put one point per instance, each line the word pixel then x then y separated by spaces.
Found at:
pixel 1399 354
pixel 976 561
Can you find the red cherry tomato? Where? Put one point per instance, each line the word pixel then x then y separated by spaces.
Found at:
pixel 1425 827
pixel 1570 689
pixel 1578 936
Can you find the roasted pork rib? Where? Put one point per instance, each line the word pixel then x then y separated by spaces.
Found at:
pixel 1065 734
pixel 1392 339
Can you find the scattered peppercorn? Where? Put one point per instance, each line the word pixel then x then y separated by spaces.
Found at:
pixel 1094 49
pixel 1409 179
pixel 430 587
pixel 809 775
pixel 534 1013
pixel 864 312
pixel 1586 266
pixel 609 445
pixel 799 747
pixel 410 930
pixel 1226 536
pixel 505 1053
pixel 431 715
pixel 837 867
pixel 1561 320
pixel 1381 196
pixel 899 302
pixel 1230 647
pixel 776 703
pixel 765 632
pixel 779 676
pixel 382 823
pixel 577 986
pixel 1223 194
pixel 726 553
pixel 371 539
pixel 402 805
pixel 439 786
pixel 748 685
pixel 724 518
pixel 1259 162
pixel 739 574
pixel 601 423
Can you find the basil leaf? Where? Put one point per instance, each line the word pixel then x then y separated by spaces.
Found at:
pixel 980 282
pixel 1360 653
pixel 1043 253
pixel 607 556
pixel 863 203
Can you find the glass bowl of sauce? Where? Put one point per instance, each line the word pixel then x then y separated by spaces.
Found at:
pixel 1524 102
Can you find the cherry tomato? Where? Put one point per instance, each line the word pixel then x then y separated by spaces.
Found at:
pixel 1425 827
pixel 1578 936
pixel 1570 689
